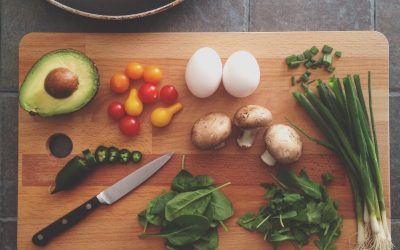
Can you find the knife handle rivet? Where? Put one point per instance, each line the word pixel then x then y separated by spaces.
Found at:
pixel 64 221
pixel 40 237
pixel 88 206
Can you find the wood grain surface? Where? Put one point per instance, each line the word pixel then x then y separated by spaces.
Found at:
pixel 116 226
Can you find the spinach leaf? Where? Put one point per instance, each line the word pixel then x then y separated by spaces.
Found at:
pixel 195 202
pixel 300 236
pixel 291 198
pixel 325 242
pixel 182 181
pixel 170 246
pixel 200 182
pixel 185 182
pixel 328 213
pixel 311 214
pixel 296 209
pixel 301 182
pixel 220 206
pixel 247 221
pixel 208 241
pixel 183 230
pixel 142 220
pixel 327 178
pixel 156 207
pixel 272 190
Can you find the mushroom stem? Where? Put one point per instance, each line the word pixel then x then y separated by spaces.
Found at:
pixel 268 159
pixel 246 138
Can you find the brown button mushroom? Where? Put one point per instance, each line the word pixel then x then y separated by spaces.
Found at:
pixel 283 145
pixel 211 131
pixel 250 119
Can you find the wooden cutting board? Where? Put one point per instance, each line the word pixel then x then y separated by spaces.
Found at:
pixel 116 226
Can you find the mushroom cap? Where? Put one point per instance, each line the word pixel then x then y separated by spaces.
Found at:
pixel 211 130
pixel 252 116
pixel 283 143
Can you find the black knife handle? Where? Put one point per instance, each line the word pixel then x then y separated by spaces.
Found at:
pixel 42 237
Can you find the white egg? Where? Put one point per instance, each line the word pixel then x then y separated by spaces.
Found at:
pixel 241 74
pixel 204 72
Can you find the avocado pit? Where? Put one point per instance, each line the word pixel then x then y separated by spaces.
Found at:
pixel 61 83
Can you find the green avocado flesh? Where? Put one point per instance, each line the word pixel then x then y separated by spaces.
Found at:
pixel 33 96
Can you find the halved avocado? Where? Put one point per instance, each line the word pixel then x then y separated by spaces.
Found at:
pixel 60 82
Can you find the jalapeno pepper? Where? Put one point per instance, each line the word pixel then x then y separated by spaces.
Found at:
pixel 114 155
pixel 124 155
pixel 102 154
pixel 90 158
pixel 73 172
pixel 77 168
pixel 136 156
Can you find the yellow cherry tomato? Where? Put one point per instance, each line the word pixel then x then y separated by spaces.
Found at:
pixel 133 105
pixel 161 117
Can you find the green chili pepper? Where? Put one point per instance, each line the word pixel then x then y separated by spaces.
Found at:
pixel 114 155
pixel 136 156
pixel 73 172
pixel 90 159
pixel 102 154
pixel 124 155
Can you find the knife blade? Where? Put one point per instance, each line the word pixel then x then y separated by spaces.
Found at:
pixel 107 196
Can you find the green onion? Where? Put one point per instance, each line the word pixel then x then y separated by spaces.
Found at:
pixel 327 49
pixel 307 58
pixel 341 114
pixel 305 77
pixel 327 60
pixel 330 69
pixel 290 59
pixel 314 50
pixel 293 80
pixel 309 64
pixel 300 57
pixel 307 54
pixel 294 64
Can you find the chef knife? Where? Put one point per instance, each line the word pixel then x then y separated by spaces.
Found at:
pixel 107 196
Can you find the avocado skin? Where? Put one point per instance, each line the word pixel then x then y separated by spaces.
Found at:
pixel 49 54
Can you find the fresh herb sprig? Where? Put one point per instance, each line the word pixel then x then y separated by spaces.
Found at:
pixel 189 214
pixel 297 208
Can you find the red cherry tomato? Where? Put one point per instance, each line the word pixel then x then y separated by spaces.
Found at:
pixel 129 126
pixel 168 95
pixel 116 110
pixel 148 93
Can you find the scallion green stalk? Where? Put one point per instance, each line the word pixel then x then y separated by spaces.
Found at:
pixel 341 114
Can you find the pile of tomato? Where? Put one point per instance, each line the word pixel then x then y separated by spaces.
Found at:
pixel 148 94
